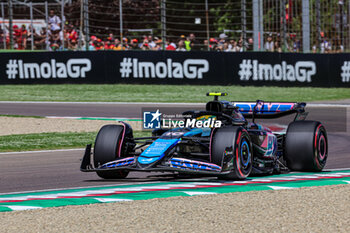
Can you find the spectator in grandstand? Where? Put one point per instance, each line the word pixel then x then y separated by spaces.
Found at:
pixel 151 42
pixel 234 46
pixel 29 37
pixel 71 35
pixel 222 39
pixel 325 46
pixel 24 36
pixel 20 37
pixel 117 45
pixel 145 43
pixel 194 44
pixel 93 40
pixel 54 21
pixel 338 47
pixel 212 43
pixel 158 43
pixel 250 44
pixel 91 46
pixel 296 45
pixel 72 45
pixel 106 45
pixel 205 45
pixel 240 45
pixel 181 46
pixel 126 45
pixel 110 37
pixel 134 44
pixel 170 45
pixel 2 35
pixel 187 43
pixel 40 39
pixel 269 45
pixel 226 47
pixel 99 44
pixel 55 40
pixel 277 46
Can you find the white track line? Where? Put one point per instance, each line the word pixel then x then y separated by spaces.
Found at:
pixel 41 151
pixel 192 184
pixel 83 187
pixel 336 169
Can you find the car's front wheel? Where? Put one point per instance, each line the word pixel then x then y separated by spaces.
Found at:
pixel 109 145
pixel 232 143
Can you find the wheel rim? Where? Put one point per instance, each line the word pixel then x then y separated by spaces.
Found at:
pixel 322 147
pixel 245 153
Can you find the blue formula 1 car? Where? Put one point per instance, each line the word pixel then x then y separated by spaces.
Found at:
pixel 234 150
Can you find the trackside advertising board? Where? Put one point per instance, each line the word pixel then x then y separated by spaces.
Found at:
pixel 165 67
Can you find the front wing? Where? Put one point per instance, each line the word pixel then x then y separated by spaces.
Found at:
pixel 182 165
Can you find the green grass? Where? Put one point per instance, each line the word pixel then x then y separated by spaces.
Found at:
pixel 50 141
pixel 20 116
pixel 163 93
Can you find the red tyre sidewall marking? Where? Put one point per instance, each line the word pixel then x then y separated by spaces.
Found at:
pixel 237 155
pixel 120 144
pixel 121 141
pixel 315 148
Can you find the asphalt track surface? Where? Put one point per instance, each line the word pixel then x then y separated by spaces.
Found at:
pixel 60 169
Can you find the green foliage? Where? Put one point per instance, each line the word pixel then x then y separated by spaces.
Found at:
pixel 50 141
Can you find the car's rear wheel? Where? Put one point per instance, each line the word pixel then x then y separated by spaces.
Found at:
pixel 232 143
pixel 306 146
pixel 109 145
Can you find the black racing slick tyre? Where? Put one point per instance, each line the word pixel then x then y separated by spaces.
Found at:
pixel 109 145
pixel 306 146
pixel 232 143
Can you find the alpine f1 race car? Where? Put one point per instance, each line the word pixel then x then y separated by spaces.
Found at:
pixel 234 150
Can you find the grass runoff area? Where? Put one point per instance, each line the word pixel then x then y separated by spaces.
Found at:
pixel 51 141
pixel 163 93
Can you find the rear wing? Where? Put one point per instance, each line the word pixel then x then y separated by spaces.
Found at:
pixel 269 110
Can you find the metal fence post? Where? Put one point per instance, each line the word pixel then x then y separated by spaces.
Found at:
pixel 121 22
pixel 86 23
pixel 3 25
pixel 10 24
pixel 31 26
pixel 81 25
pixel 62 22
pixel 163 22
pixel 348 18
pixel 244 23
pixel 47 25
pixel 341 26
pixel 261 20
pixel 207 22
pixel 256 25
pixel 284 26
pixel 318 24
pixel 306 25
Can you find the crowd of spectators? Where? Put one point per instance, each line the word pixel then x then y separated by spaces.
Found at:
pixel 54 38
pixel 183 43
pixel 51 38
